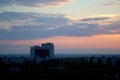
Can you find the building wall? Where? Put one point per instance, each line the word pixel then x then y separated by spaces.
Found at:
pixel 49 46
pixel 44 46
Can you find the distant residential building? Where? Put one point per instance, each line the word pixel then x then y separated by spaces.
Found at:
pixel 46 50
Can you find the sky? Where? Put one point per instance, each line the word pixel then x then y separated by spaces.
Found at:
pixel 74 26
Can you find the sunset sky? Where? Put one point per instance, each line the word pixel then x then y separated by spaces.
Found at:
pixel 74 26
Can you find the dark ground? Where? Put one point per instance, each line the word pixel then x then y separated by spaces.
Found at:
pixel 61 69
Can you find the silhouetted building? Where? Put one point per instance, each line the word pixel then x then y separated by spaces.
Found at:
pixel 46 50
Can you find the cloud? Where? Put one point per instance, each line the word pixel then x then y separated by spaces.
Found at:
pixel 22 26
pixel 112 3
pixel 95 19
pixel 33 3
pixel 113 28
pixel 14 19
pixel 29 25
